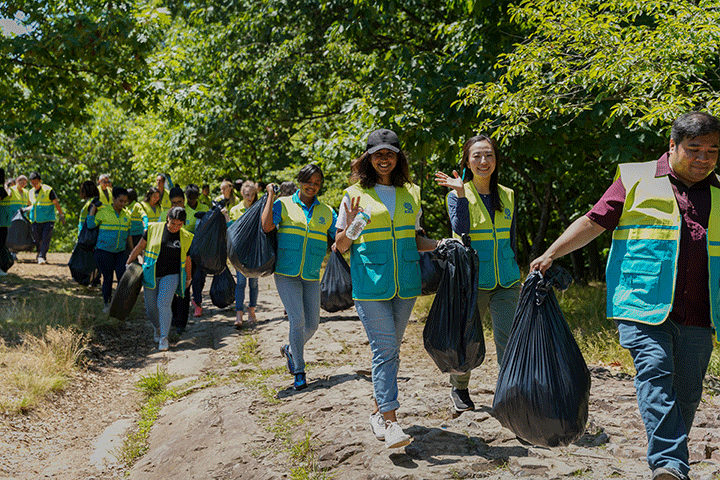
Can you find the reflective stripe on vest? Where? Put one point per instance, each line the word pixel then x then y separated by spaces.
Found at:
pixel 152 251
pixel 492 240
pixel 15 200
pixel 302 244
pixel 113 229
pixel 43 209
pixel 384 259
pixel 642 266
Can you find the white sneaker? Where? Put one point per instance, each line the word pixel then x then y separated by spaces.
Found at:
pixel 394 436
pixel 377 425
pixel 41 261
pixel 164 345
pixel 107 308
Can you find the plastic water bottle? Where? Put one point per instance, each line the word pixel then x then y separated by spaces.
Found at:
pixel 358 224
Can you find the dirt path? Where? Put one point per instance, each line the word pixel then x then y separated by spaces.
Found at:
pixel 242 421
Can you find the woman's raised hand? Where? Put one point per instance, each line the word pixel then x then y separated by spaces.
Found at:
pixel 454 182
pixel 354 209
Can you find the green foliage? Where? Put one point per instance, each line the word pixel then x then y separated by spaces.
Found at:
pixel 591 84
pixel 65 54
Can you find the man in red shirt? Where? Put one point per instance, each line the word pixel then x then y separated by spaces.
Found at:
pixel 663 279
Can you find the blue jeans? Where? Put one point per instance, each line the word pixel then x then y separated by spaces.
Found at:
pixel 385 323
pixel 109 262
pixel 301 299
pixel 43 233
pixel 158 303
pixel 240 292
pixel 671 361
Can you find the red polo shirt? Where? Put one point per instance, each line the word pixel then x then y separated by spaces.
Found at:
pixel 691 304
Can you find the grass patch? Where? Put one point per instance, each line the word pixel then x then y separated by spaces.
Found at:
pixel 154 388
pixel 38 366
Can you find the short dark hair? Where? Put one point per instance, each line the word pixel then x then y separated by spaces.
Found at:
pixel 192 191
pixel 308 171
pixel 177 213
pixel 132 195
pixel 176 192
pixel 34 176
pixel 118 191
pixel 88 189
pixel 694 124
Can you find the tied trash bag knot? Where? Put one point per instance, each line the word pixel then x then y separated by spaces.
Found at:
pixel 554 277
pixel 543 386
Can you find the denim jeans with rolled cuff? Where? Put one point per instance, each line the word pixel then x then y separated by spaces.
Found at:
pixel 385 322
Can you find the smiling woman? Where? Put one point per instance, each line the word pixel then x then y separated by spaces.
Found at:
pixel 303 224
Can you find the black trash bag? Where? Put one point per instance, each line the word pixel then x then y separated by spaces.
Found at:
pixel 208 249
pixel 83 266
pixel 222 289
pixel 127 291
pixel 6 259
pixel 88 237
pixel 250 249
pixel 430 273
pixel 543 386
pixel 336 285
pixel 453 333
pixel 20 237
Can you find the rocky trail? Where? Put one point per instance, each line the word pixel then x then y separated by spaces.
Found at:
pixel 237 418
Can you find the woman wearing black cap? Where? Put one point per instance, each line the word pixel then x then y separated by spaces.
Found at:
pixel 384 266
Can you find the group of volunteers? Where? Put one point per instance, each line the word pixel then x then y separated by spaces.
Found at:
pixel 663 272
pixel 41 204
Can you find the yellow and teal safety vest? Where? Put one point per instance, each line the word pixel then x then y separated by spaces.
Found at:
pixel 152 251
pixel 150 214
pixel 83 215
pixel 113 228
pixel 642 266
pixel 106 196
pixel 137 227
pixel 384 259
pixel 192 221
pixel 301 243
pixel 42 209
pixel 491 241
pixel 17 198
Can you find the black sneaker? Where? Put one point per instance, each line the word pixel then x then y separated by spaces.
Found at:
pixel 461 400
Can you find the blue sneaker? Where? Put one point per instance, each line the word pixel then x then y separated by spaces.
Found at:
pixel 285 352
pixel 300 382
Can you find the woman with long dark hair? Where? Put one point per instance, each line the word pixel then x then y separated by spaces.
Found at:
pixel 479 206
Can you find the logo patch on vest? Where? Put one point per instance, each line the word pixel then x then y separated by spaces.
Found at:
pixel 408 207
pixel 322 220
pixel 508 214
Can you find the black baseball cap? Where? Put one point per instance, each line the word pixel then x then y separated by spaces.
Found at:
pixel 383 138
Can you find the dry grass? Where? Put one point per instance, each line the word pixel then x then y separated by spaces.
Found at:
pixel 38 366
